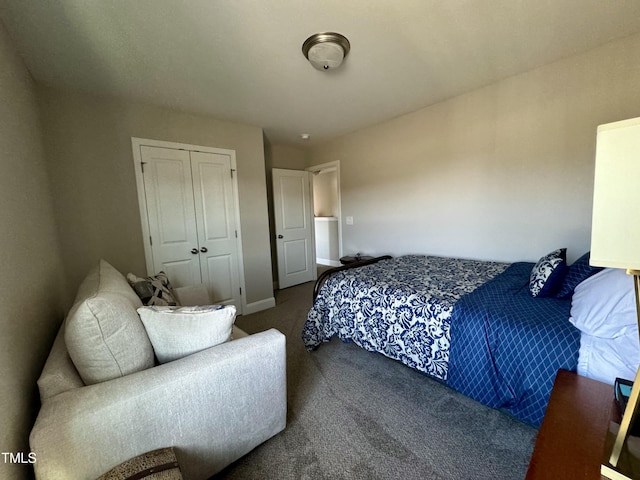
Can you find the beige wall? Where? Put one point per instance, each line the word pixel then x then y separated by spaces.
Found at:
pixel 285 156
pixel 325 194
pixel 32 283
pixel 504 172
pixel 88 145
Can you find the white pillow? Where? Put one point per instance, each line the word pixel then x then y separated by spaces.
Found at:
pixel 603 305
pixel 179 331
pixel 606 359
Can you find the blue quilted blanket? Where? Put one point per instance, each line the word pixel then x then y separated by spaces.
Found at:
pixel 507 346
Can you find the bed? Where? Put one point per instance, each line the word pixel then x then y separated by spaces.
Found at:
pixel 399 307
pixel 472 324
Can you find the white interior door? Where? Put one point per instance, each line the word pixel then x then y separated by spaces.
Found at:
pixel 171 214
pixel 293 211
pixel 217 229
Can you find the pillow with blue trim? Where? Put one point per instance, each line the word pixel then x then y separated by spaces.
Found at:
pixel 578 272
pixel 547 275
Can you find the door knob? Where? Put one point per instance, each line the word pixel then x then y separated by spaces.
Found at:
pixel 280 236
pixel 194 251
pixel 204 250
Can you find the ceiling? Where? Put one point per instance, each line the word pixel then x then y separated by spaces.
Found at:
pixel 241 60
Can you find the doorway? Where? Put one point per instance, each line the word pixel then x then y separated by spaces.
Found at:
pixel 327 214
pixel 288 198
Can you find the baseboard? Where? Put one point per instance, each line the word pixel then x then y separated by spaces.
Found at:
pixel 326 261
pixel 259 306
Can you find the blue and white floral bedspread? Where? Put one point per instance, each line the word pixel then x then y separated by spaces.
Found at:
pixel 399 307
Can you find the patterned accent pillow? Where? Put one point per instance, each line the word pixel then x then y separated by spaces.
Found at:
pixel 155 290
pixel 547 275
pixel 578 272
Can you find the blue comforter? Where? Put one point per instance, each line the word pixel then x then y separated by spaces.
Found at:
pixel 507 346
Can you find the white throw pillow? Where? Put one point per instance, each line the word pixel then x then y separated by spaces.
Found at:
pixel 604 305
pixel 176 332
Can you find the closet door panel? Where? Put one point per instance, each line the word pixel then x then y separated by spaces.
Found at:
pixel 171 214
pixel 219 269
pixel 216 225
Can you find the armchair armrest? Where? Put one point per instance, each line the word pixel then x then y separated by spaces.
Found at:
pixel 213 406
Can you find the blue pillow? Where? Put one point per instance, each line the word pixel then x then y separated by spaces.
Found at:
pixel 547 275
pixel 578 272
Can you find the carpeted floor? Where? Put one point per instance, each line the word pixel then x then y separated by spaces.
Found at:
pixel 354 414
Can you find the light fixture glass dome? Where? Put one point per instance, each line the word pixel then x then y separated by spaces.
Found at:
pixel 326 51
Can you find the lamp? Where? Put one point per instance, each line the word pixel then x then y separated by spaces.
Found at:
pixel 615 242
pixel 326 50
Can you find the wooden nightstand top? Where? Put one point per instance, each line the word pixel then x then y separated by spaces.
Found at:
pixel 570 442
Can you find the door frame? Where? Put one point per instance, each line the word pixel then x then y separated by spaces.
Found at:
pixel 334 165
pixel 136 144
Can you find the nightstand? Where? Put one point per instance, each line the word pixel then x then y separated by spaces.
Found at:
pixel 354 259
pixel 571 440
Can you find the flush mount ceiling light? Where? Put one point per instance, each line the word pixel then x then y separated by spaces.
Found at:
pixel 325 51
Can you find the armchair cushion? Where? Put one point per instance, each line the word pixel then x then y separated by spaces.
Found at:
pixel 176 332
pixel 103 333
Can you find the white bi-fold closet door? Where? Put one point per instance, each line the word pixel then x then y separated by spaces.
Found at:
pixel 192 219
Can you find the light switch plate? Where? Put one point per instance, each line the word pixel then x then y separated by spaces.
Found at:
pixel 349 220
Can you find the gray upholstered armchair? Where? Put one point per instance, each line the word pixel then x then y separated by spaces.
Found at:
pixel 213 406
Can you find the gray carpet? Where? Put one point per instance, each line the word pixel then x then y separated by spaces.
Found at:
pixel 354 414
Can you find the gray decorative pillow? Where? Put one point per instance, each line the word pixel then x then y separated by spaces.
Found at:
pixel 176 332
pixel 103 332
pixel 547 275
pixel 155 290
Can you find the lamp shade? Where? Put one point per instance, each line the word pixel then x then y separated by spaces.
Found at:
pixel 615 227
